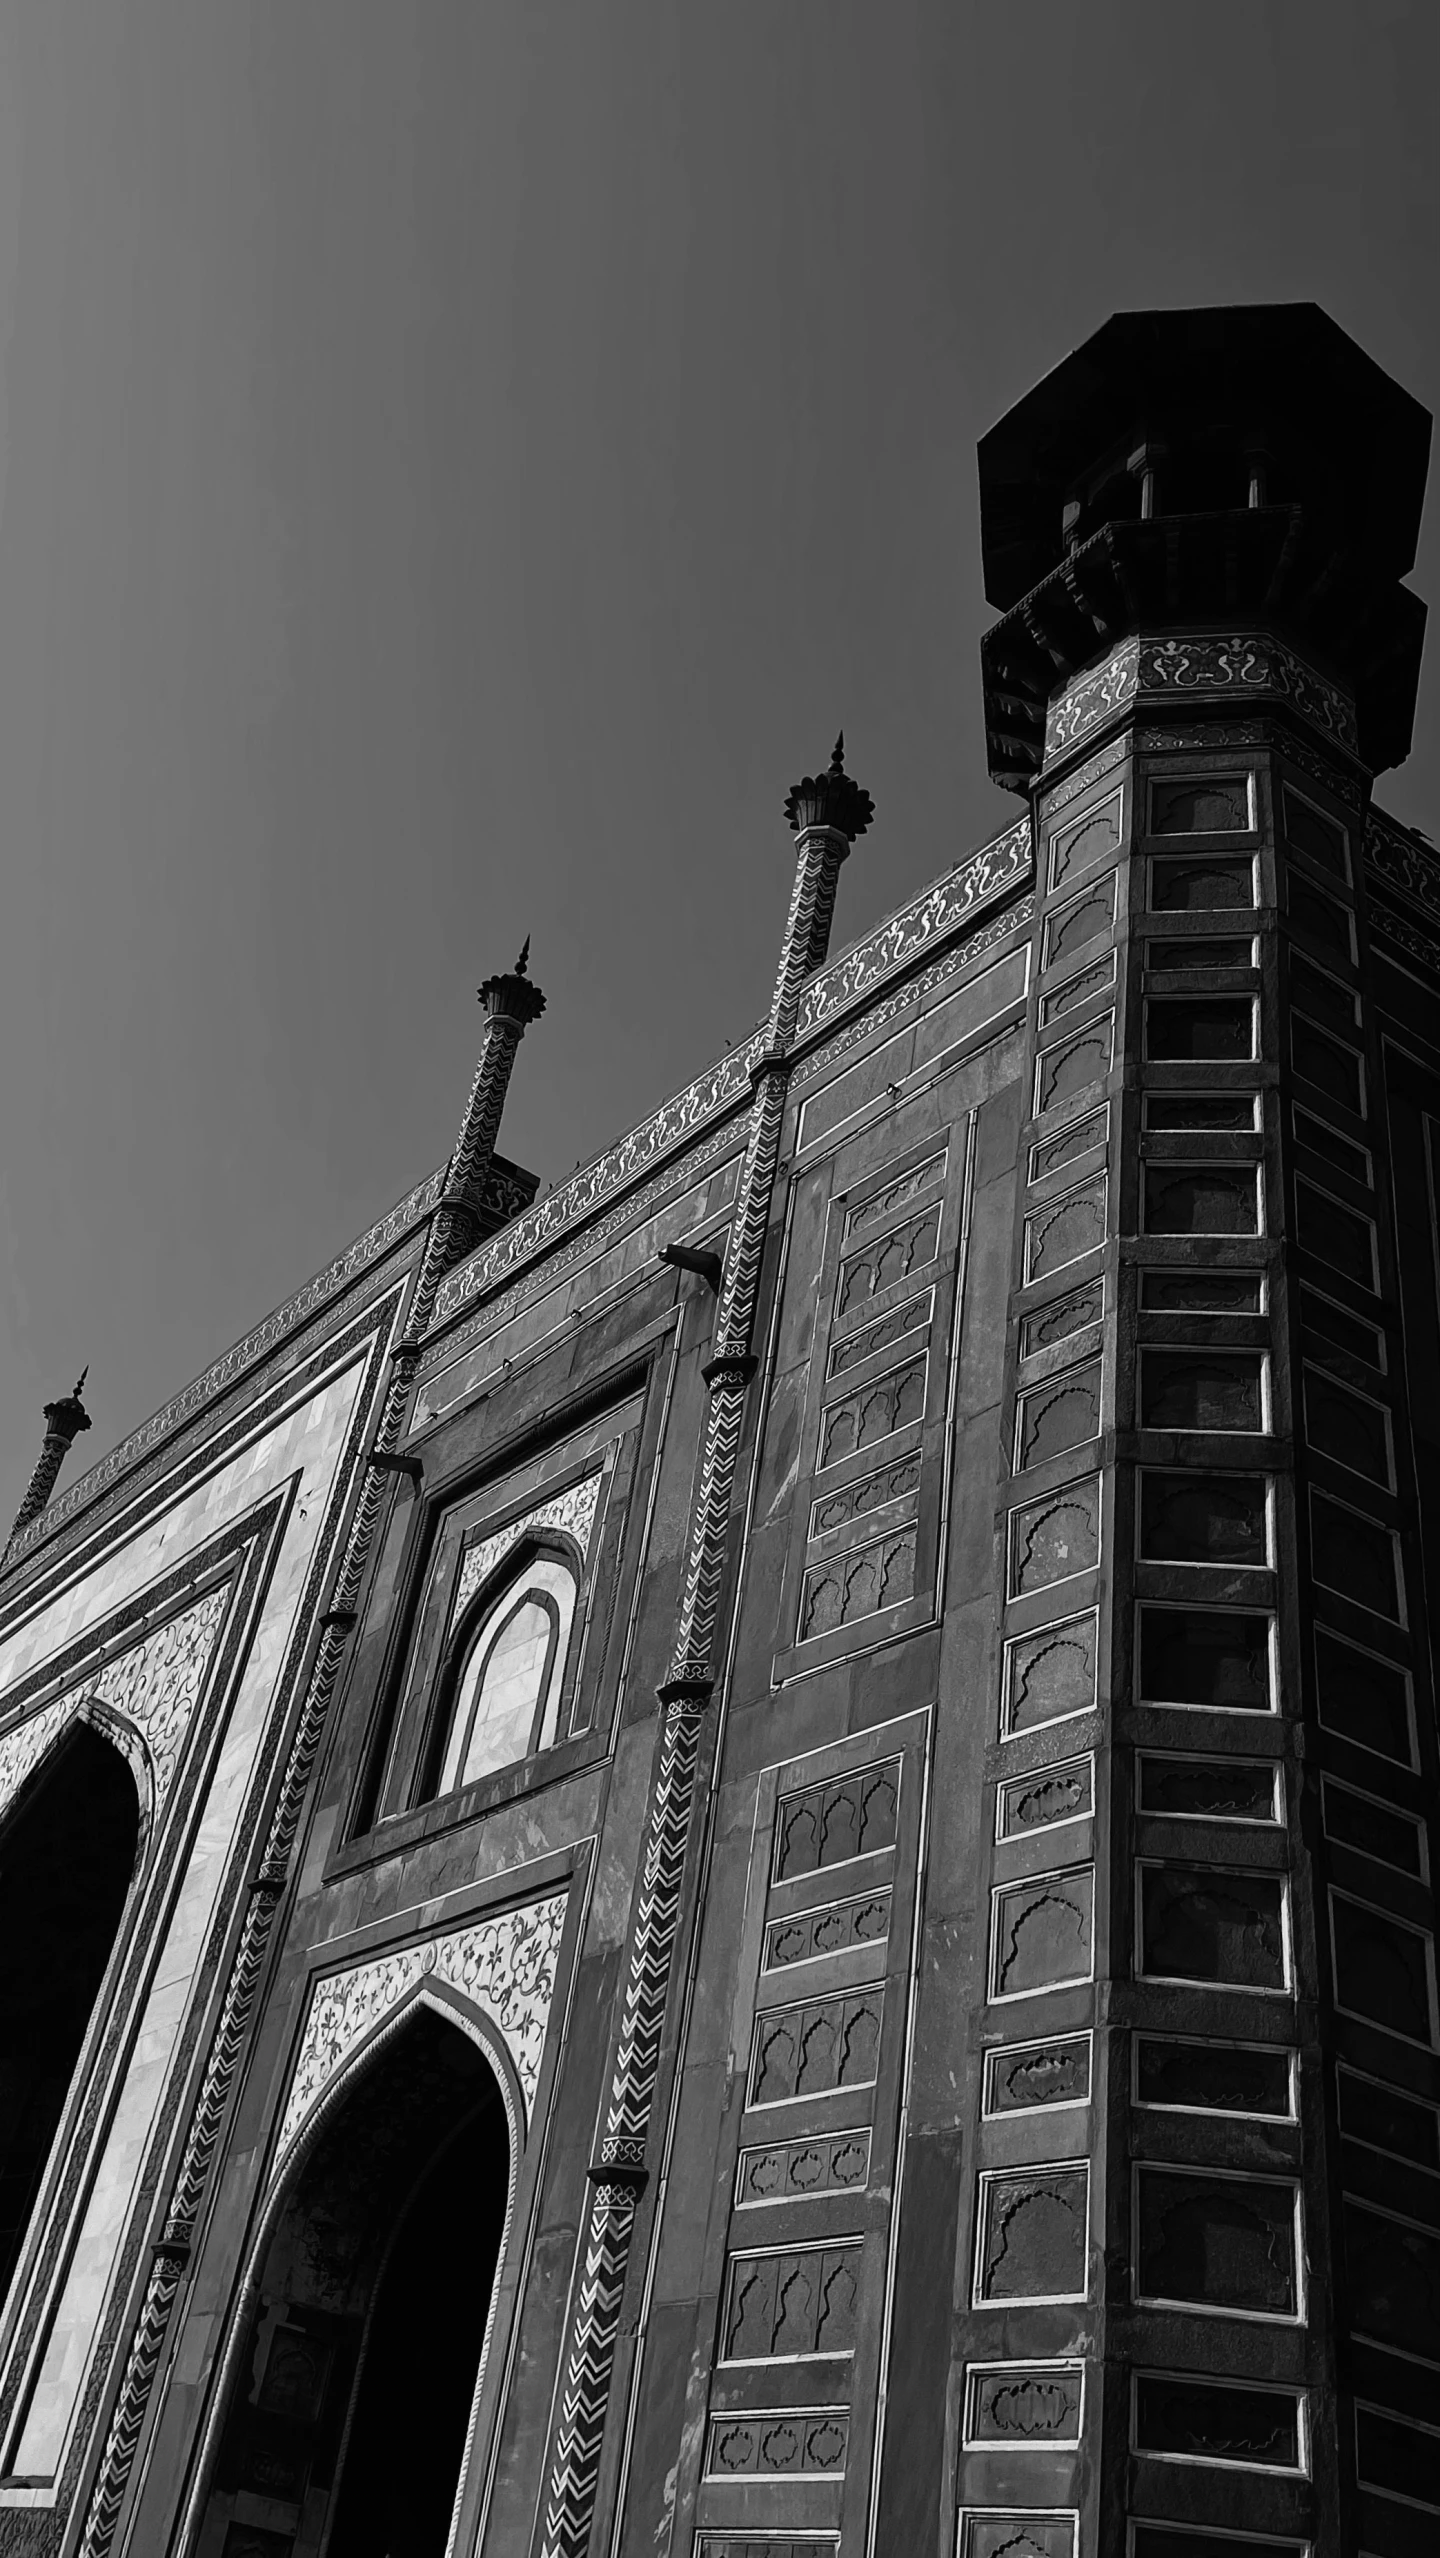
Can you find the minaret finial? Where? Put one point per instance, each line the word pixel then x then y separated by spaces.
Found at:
pixel 830 799
pixel 522 964
pixel 63 1423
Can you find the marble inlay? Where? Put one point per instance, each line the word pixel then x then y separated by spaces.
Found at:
pixel 505 1966
pixel 572 1511
pixel 153 1687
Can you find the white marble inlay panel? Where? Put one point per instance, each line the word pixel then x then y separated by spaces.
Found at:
pixel 153 1687
pixel 572 1510
pixel 305 1446
pixel 505 1966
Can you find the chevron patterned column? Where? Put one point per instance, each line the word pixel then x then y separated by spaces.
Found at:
pixel 511 1003
pixel 826 813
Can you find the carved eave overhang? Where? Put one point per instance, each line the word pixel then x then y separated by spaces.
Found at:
pixel 1242 565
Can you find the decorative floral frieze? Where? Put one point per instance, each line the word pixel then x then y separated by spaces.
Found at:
pixel 1244 662
pixel 153 1687
pixel 915 990
pixel 504 1966
pixel 572 1511
pixel 1094 770
pixel 939 910
pixel 1398 856
pixel 1406 936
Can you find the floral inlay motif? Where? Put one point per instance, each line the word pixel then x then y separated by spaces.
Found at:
pixel 154 1687
pixel 505 1966
pixel 572 1511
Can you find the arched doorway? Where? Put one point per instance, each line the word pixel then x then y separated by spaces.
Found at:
pixel 67 1855
pixel 346 2433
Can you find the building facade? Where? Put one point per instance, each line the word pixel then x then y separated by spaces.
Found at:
pixel 734 1864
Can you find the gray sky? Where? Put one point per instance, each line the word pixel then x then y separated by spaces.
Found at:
pixel 459 464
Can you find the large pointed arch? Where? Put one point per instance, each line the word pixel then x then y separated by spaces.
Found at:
pixel 72 1837
pixel 410 2134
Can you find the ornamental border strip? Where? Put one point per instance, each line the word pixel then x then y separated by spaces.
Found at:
pixel 1228 665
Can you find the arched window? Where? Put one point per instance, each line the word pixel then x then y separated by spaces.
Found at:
pixel 67 1855
pixel 507 1689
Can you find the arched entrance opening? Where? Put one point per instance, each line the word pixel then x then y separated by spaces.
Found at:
pixel 346 2432
pixel 67 1855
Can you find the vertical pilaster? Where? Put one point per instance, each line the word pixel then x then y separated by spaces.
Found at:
pixel 826 814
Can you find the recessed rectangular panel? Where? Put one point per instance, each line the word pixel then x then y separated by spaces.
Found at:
pixel 1320 919
pixel 837 1927
pixel 1200 950
pixel 1354 1556
pixel 1072 1065
pixel 1219 1519
pixel 1365 1698
pixel 1080 1138
pixel 1049 1675
pixel 1062 1317
pixel 1202 1390
pixel 1158 2540
pixel 1061 1413
pixel 1333 1149
pixel 1205 1657
pixel 1308 830
pixel 1348 1427
pixel 1031 2406
pixel 1202 1112
pixel 1086 840
pixel 913 1316
pixel 1210 1292
pixel 1055 1537
pixel 1325 998
pixel 794 2171
pixel 1201 883
pixel 1026 2078
pixel 1065 1228
pixel 1176 2074
pixel 1213 1923
pixel 1373 1828
pixel 1333 1068
pixel 1177 1788
pixel 788 2304
pixel 1078 925
pixel 1032 2235
pixel 1047 1796
pixel 1384 1970
pixel 1394 2282
pixel 1178 2416
pixel 1216 2242
pixel 1042 1932
pixel 1196 1029
pixel 1339 1330
pixel 1400 2460
pixel 1215 804
pixel 828 1825
pixel 1082 988
pixel 1335 1234
pixel 815 2048
pixel 1384 2119
pixel 1202 1199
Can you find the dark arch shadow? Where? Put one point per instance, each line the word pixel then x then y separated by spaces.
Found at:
pixel 368 2310
pixel 68 1850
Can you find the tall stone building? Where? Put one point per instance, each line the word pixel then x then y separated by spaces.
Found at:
pixel 734 1864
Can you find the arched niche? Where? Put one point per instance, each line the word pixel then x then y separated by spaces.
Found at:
pixel 70 1841
pixel 502 1676
pixel 351 2381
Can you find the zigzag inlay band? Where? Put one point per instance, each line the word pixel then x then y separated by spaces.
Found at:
pixel 444 1240
pixel 574 2471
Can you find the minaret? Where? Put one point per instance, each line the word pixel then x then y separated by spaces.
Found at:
pixel 511 1003
pixel 63 1423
